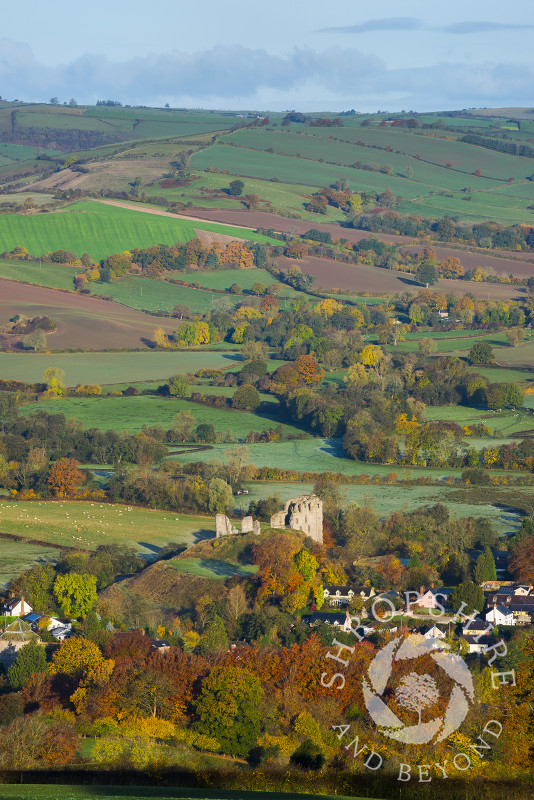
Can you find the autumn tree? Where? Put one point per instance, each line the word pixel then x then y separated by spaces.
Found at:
pixel 76 594
pixel 228 709
pixel 64 478
pixel 54 377
pixel 75 656
pixel 522 561
pixel 308 369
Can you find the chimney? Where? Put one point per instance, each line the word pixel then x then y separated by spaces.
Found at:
pixel 421 590
pixel 22 606
pixel 432 585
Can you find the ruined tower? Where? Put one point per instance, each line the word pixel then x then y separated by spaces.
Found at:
pixel 304 513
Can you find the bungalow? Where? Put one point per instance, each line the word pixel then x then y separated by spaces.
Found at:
pixel 500 615
pixel 342 595
pixel 62 632
pixel 476 627
pixel 477 644
pixel 15 607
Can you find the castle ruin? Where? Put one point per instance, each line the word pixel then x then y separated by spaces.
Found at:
pixel 224 527
pixel 304 513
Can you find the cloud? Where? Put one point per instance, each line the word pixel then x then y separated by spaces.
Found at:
pixel 386 24
pixel 483 27
pixel 241 77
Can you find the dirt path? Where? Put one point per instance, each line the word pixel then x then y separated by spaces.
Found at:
pixel 159 213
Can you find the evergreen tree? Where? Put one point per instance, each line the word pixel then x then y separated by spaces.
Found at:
pixel 470 594
pixel 30 658
pixel 485 567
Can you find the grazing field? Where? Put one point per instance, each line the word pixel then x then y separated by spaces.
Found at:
pixel 83 322
pixel 387 499
pixel 101 229
pixel 132 413
pixel 507 423
pixel 89 524
pixel 464 340
pixel 104 368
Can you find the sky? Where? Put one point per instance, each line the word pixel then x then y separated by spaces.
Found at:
pixel 308 55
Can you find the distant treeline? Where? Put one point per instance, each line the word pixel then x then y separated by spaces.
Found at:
pixel 514 148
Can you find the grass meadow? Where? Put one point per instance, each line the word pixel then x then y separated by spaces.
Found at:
pixel 51 276
pixel 132 413
pixel 111 368
pixel 19 556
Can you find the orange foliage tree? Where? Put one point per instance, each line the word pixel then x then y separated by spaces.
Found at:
pixel 64 478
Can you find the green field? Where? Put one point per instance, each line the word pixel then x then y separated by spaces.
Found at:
pixel 210 568
pixel 520 356
pixel 19 556
pixel 459 344
pixel 132 413
pixel 100 229
pixel 89 524
pixel 387 499
pixel 153 295
pixel 49 275
pixel 509 422
pixel 104 368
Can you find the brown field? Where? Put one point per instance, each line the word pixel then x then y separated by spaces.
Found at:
pixel 82 322
pixel 107 174
pixel 362 278
pixel 208 237
pixel 520 264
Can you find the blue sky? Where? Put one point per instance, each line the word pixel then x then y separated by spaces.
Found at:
pixel 281 54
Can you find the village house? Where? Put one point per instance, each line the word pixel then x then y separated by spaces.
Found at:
pixel 434 633
pixel 500 615
pixel 433 598
pixel 477 644
pixel 517 598
pixel 15 607
pixel 342 621
pixel 342 595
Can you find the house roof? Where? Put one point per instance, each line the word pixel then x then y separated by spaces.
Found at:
pixel 480 640
pixel 514 602
pixel 475 625
pixel 323 616
pixel 32 617
pixel 501 609
pixel 341 589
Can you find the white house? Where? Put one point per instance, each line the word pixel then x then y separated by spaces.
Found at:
pixel 15 607
pixel 500 615
pixel 434 633
pixel 62 632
